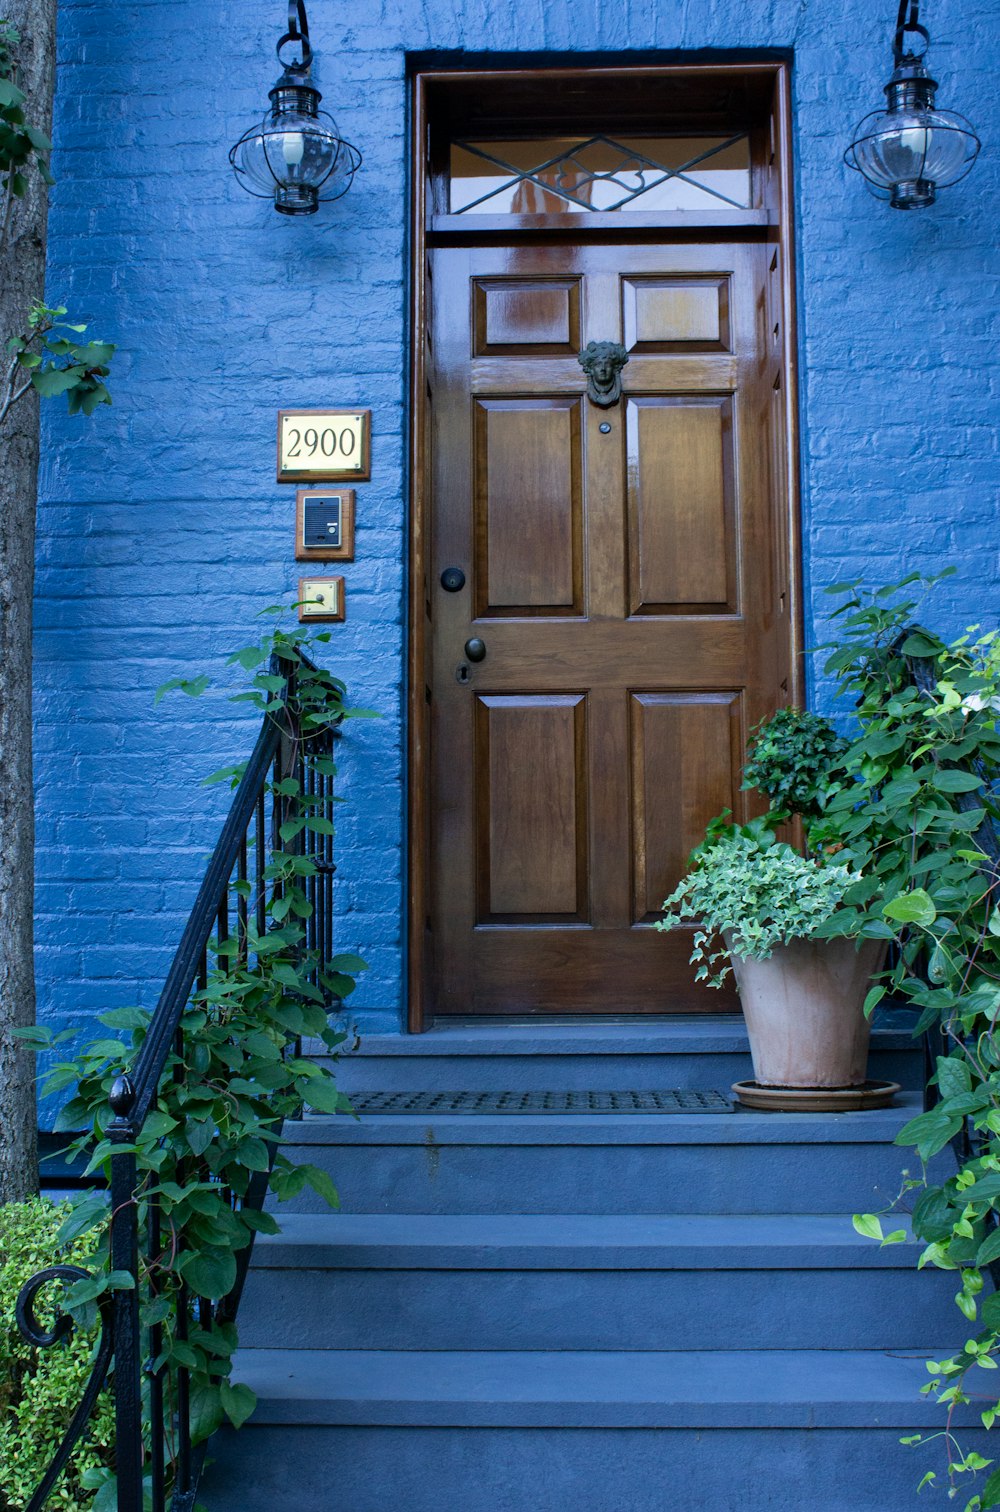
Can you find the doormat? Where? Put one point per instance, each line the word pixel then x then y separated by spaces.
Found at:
pixel 540 1102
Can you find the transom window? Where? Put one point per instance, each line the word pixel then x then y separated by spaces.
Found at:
pixel 553 175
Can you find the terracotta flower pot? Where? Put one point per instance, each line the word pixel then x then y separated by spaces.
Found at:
pixel 804 1011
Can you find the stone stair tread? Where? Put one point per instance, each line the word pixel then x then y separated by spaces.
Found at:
pixel 879 1126
pixel 533 1241
pixel 678 1034
pixel 581 1389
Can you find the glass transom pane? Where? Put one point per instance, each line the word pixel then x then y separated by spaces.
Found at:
pixel 556 175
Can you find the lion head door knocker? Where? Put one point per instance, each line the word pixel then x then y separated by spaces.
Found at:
pixel 602 361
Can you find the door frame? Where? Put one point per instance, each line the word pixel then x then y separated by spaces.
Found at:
pixel 774 224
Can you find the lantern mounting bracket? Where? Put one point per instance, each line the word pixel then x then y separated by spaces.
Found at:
pixel 904 25
pixel 298 31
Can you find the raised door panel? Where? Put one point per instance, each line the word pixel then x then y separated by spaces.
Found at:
pixel 681 505
pixel 526 317
pixel 531 808
pixel 528 507
pixel 676 313
pixel 686 759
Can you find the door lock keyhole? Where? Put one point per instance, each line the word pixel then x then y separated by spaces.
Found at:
pixel 462 672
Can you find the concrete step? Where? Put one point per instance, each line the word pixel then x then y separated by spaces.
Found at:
pixel 580 1432
pixel 604 1282
pixel 609 1163
pixel 596 1054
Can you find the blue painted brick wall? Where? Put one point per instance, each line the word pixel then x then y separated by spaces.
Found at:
pixel 161 532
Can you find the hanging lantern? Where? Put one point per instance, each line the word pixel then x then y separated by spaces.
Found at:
pixel 910 150
pixel 295 156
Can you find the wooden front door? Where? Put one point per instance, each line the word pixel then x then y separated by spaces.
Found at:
pixel 623 572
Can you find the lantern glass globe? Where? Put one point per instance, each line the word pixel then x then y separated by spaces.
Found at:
pixel 896 147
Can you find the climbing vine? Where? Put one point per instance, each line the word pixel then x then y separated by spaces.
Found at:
pixel 235 1074
pixel 909 801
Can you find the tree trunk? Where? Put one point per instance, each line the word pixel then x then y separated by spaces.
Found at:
pixel 22 280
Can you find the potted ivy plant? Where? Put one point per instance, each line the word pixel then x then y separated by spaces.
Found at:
pixel 802 955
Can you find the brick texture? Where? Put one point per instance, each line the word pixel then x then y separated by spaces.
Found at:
pixel 162 533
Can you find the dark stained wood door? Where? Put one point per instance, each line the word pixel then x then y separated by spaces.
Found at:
pixel 622 571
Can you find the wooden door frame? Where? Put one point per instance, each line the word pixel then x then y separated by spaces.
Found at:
pixel 778 218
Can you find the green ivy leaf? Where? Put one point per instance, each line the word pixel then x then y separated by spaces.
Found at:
pixel 211 1273
pixel 989 1250
pixel 325 1098
pixel 913 907
pixel 238 1402
pixel 194 687
pixel 952 781
pixel 929 1132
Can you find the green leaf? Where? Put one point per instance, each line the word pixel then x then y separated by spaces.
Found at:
pixel 10 96
pixel 238 1402
pixel 951 781
pixel 872 1000
pixel 51 381
pixel 212 1273
pixel 321 1184
pixel 932 1216
pixel 953 1076
pixel 868 1224
pixel 919 644
pixel 324 1097
pixel 348 963
pixel 206 1412
pixel 929 1132
pixel 125 1018
pixel 194 687
pixel 991 1491
pixel 106 1499
pixel 248 657
pixel 913 907
pixel 989 1250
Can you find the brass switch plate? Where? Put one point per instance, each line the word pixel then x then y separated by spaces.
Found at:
pixel 321 599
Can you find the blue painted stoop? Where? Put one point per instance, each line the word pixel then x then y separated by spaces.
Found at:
pixel 588 1313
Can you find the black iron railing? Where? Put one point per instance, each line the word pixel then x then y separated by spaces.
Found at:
pixel 156 1456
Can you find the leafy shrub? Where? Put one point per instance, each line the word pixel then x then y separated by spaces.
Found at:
pixel 790 758
pixel 758 889
pixel 41 1389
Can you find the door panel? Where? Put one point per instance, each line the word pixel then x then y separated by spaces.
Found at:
pixel 528 506
pixel 682 507
pixel 618 572
pixel 519 316
pixel 685 769
pixel 676 314
pixel 532 812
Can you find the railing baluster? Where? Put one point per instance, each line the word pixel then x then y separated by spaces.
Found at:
pixel 156 1424
pixel 260 862
pixel 241 901
pixel 182 1477
pixel 309 778
pixel 128 1343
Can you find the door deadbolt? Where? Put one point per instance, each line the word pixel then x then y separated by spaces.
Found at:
pixel 453 580
pixel 475 649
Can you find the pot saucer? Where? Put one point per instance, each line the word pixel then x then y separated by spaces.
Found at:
pixel 871 1094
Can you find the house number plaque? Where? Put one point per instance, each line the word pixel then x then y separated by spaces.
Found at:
pixel 323 446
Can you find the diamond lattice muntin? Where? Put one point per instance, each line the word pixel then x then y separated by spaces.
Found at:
pixel 599 174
